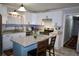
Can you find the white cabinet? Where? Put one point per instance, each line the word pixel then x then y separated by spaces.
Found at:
pixel 7 44
pixel 6 41
pixel 3 12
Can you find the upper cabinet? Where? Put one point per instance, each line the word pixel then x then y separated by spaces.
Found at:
pixel 14 18
pixel 3 12
pixel 7 18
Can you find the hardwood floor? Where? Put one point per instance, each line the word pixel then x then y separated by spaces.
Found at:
pixel 60 52
pixel 8 52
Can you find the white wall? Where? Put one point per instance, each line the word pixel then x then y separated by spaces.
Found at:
pixel 72 10
pixel 27 17
pixel 54 15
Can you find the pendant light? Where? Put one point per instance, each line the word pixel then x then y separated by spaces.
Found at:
pixel 21 8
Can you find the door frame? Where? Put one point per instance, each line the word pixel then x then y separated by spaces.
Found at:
pixel 64 18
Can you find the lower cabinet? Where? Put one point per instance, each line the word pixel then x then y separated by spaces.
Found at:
pixel 20 50
pixel 7 43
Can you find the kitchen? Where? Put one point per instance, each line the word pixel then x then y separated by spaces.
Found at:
pixel 16 27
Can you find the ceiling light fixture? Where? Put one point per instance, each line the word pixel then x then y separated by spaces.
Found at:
pixel 14 13
pixel 21 8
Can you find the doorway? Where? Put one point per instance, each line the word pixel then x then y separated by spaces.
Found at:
pixel 71 32
pixel 0 35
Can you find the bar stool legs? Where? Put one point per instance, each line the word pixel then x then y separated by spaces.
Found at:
pixel 51 52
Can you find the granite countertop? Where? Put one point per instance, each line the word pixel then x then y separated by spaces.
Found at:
pixel 28 40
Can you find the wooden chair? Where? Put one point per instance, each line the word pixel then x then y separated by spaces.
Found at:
pixel 51 46
pixel 40 50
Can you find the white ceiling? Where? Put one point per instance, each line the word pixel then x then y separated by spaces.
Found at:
pixel 38 7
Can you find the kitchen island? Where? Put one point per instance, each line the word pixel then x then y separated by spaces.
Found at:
pixel 23 45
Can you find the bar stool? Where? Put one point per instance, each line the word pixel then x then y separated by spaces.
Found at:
pixel 51 46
